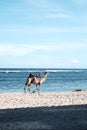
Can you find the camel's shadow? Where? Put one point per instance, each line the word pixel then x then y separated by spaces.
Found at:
pixel 72 117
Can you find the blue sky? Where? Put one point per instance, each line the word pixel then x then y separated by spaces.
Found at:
pixel 43 33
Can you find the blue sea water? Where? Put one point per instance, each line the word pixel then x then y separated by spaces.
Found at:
pixel 13 79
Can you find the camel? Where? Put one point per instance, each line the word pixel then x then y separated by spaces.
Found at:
pixel 35 79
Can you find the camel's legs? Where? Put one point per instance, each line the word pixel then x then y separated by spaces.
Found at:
pixel 28 84
pixel 25 89
pixel 29 88
pixel 38 89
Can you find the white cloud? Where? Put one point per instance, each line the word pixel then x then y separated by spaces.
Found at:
pixel 25 49
pixel 58 15
pixel 34 55
pixel 80 2
pixel 22 49
pixel 40 30
pixel 39 3
pixel 76 61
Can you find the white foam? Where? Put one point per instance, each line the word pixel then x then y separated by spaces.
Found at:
pixel 67 70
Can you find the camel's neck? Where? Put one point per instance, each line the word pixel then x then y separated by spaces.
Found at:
pixel 45 76
pixel 43 79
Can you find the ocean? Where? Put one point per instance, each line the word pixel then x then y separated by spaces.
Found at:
pixel 58 80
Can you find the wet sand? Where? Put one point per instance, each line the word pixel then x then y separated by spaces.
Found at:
pixel 54 110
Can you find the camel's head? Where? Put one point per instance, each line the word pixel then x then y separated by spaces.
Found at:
pixel 46 73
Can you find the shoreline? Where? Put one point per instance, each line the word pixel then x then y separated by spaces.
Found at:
pixel 21 100
pixel 51 110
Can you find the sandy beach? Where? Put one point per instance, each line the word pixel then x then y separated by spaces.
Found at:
pixel 53 110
